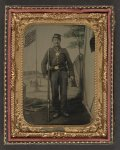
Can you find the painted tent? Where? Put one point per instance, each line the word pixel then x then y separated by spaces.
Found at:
pixel 89 72
pixel 84 69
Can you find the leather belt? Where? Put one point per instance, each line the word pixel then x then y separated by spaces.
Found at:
pixel 57 68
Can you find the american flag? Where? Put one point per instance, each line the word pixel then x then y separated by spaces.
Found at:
pixel 30 37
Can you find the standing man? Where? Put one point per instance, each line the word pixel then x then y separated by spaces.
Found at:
pixel 59 65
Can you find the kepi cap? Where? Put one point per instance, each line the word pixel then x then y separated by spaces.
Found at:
pixel 56 36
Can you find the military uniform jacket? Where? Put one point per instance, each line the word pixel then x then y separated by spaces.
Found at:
pixel 57 58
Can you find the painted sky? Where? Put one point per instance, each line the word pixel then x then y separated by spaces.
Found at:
pixel 44 36
pixel 43 42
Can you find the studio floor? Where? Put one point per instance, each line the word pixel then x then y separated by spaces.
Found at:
pixel 37 113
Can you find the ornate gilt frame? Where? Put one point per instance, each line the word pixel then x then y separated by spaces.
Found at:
pixel 16 129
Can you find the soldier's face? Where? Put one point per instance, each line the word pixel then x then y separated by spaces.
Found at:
pixel 56 42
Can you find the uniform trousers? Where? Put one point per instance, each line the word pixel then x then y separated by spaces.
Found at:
pixel 59 81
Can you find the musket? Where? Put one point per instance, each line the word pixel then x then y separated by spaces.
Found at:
pixel 48 85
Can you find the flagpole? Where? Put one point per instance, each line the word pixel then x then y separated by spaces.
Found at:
pixel 36 82
pixel 48 85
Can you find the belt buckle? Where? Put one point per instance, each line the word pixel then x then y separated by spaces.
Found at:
pixel 56 67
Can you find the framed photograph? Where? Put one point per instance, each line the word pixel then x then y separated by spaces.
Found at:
pixel 58 85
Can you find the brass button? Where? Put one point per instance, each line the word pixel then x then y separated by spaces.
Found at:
pixel 56 67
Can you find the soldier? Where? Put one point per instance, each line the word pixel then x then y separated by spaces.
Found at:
pixel 60 64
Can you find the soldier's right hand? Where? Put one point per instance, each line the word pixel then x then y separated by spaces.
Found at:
pixel 46 77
